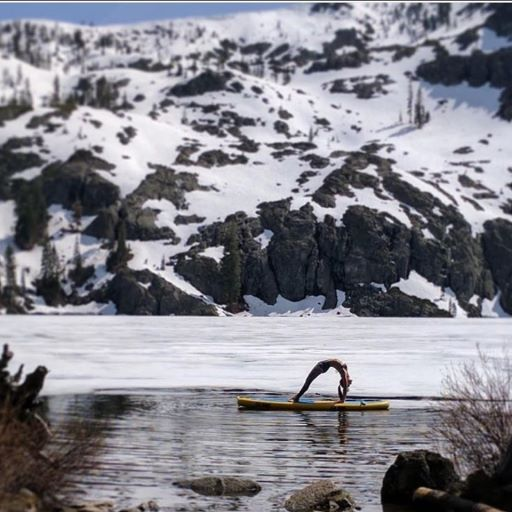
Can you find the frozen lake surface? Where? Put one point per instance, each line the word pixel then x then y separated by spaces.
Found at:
pixel 168 387
pixel 385 356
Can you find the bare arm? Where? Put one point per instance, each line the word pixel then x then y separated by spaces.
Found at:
pixel 344 384
pixel 342 393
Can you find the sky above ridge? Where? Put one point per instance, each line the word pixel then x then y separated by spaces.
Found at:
pixel 122 12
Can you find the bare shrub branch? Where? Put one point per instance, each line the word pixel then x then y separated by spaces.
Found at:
pixel 31 455
pixel 475 421
pixel 49 469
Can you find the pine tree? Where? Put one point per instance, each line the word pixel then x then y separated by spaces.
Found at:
pixel 10 270
pixel 56 92
pixel 77 256
pixel 77 209
pixel 231 268
pixel 311 134
pixel 31 214
pixel 410 102
pixel 421 116
pixel 120 254
pixel 50 266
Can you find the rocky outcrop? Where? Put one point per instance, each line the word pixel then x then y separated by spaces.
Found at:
pixel 204 273
pixel 348 176
pixel 497 245
pixel 419 468
pixel 501 19
pixel 144 293
pixel 221 486
pixel 362 87
pixel 12 162
pixel 293 254
pixel 208 81
pixel 377 248
pixel 76 181
pixel 164 183
pixel 320 495
pixel 477 69
pixel 371 301
pixel 336 62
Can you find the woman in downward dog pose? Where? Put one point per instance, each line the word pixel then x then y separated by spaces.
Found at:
pixel 322 367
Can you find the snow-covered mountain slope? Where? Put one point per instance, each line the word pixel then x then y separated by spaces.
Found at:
pixel 352 157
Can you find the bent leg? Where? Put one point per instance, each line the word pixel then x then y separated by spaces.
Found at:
pixel 313 374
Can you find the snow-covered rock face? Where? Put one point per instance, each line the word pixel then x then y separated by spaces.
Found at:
pixel 334 146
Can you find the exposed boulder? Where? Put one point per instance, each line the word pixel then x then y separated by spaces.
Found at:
pixel 315 161
pixel 488 489
pixel 221 486
pixel 282 127
pixel 217 158
pixel 419 468
pixel 320 495
pixel 144 293
pixel 188 219
pixel 208 81
pixel 148 506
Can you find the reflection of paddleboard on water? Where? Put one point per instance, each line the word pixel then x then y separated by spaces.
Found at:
pixel 304 404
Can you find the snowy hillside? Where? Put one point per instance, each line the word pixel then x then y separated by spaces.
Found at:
pixel 344 158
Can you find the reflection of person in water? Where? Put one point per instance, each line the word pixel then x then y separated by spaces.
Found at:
pixel 322 367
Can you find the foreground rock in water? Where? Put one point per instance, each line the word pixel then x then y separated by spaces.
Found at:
pixel 103 506
pixel 320 495
pixel 221 486
pixel 27 501
pixel 418 468
pixel 492 490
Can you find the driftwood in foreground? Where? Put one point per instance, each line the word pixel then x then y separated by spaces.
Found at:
pixel 19 398
pixel 440 500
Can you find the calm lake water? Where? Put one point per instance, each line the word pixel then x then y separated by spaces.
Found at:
pixel 154 439
pixel 168 387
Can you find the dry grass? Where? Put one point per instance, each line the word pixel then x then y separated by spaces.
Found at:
pixel 475 424
pixel 45 464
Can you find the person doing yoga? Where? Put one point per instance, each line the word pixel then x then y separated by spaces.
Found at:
pixel 322 367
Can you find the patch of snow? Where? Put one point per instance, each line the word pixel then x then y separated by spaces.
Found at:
pixel 312 305
pixel 215 253
pixel 492 308
pixel 417 286
pixel 92 308
pixel 264 238
pixel 8 222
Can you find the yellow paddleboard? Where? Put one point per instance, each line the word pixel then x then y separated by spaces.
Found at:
pixel 280 403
